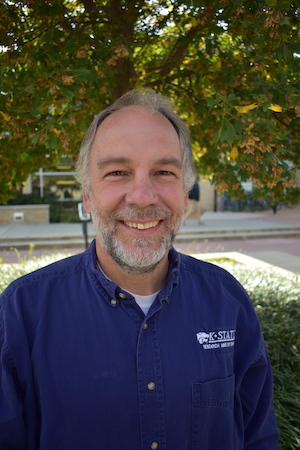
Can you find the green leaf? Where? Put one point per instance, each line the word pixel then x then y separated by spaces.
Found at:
pixel 36 138
pixel 92 76
pixel 239 128
pixel 37 112
pixel 68 91
pixel 227 131
pixel 284 21
pixel 212 101
pixel 53 55
pixel 23 156
pixel 36 102
pixel 30 88
pixel 51 142
pixel 265 106
pixel 294 99
pixel 217 136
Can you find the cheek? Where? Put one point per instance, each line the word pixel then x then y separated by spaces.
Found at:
pixel 108 197
pixel 176 198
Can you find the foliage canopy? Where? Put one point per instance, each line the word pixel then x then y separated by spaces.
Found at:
pixel 231 67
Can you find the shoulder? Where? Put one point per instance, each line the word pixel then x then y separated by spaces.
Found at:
pixel 206 269
pixel 213 282
pixel 42 278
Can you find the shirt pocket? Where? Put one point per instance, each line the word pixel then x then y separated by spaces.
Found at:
pixel 213 415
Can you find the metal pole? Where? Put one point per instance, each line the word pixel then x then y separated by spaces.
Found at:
pixel 41 183
pixel 85 233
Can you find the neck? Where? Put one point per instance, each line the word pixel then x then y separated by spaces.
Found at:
pixel 141 284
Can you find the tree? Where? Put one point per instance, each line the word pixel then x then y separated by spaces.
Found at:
pixel 231 67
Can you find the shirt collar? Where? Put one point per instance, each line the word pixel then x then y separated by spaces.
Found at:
pixel 113 290
pixel 172 277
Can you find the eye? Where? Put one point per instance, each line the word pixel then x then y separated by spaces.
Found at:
pixel 115 173
pixel 166 173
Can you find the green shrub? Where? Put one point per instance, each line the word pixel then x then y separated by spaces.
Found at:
pixel 60 211
pixel 65 212
pixel 276 298
pixel 10 272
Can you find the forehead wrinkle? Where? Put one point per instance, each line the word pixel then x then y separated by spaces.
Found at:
pixel 111 160
pixel 122 160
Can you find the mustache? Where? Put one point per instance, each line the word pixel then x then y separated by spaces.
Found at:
pixel 150 212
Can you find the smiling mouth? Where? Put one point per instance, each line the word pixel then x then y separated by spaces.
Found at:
pixel 142 226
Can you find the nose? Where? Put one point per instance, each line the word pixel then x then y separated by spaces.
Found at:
pixel 142 193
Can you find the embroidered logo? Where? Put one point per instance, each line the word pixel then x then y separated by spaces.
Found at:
pixel 216 339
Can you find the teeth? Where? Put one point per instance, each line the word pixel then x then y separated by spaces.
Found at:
pixel 142 226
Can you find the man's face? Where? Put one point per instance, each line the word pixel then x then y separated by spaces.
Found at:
pixel 137 197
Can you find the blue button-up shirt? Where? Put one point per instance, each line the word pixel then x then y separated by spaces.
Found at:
pixel 83 368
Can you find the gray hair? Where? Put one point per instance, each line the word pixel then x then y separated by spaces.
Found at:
pixel 155 103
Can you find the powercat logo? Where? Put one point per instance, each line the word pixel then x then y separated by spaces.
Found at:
pixel 216 339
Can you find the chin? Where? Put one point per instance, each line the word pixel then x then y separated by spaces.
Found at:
pixel 138 260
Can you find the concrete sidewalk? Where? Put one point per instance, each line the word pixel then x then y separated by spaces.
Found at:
pixel 272 238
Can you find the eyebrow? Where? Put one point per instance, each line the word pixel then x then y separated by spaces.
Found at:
pixel 102 163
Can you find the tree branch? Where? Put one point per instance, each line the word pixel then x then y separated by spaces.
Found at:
pixel 179 49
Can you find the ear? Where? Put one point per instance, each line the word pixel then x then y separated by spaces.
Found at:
pixel 86 202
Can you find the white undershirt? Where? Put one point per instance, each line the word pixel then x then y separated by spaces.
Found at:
pixel 144 301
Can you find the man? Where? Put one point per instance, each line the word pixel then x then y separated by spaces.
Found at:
pixel 193 207
pixel 131 345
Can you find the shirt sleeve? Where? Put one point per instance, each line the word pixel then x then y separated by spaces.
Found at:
pixel 256 394
pixel 12 427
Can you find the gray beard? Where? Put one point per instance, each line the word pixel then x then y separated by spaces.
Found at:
pixel 141 258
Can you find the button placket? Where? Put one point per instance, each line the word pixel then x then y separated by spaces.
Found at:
pixel 150 386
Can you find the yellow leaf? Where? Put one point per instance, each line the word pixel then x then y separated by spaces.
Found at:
pixel 246 108
pixel 249 128
pixel 276 108
pixel 5 116
pixel 234 154
pixel 195 22
pixel 56 131
pixel 218 65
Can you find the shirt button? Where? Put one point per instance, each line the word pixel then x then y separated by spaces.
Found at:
pixel 121 295
pixel 151 386
pixel 113 302
pixel 145 326
pixel 154 445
